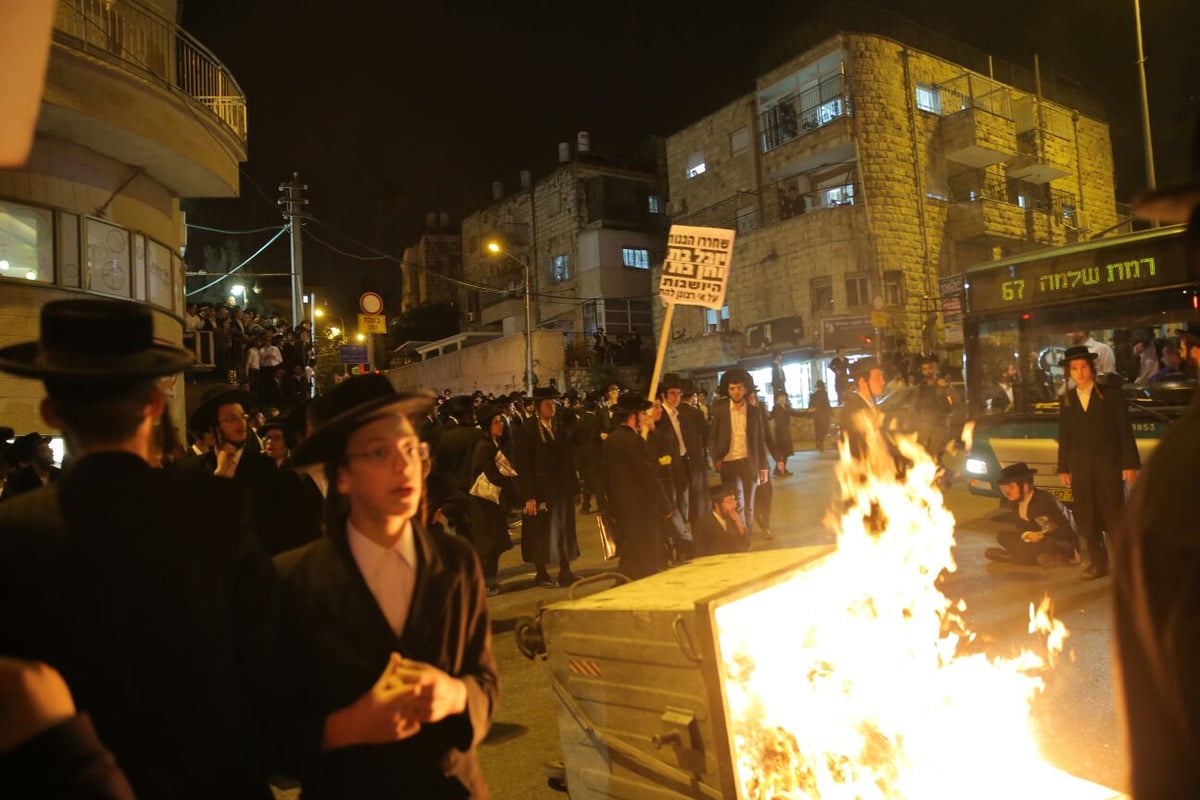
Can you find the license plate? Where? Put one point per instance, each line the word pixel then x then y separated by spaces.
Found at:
pixel 1062 493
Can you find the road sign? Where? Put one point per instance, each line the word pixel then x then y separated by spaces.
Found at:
pixel 372 323
pixel 353 354
pixel 371 303
pixel 696 269
pixel 879 319
pixel 851 333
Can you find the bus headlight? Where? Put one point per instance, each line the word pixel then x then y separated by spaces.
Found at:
pixel 977 466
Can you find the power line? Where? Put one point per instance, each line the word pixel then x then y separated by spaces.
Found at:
pixel 233 233
pixel 269 242
pixel 320 241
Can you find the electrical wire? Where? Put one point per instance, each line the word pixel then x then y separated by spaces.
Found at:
pixel 319 240
pixel 269 242
pixel 234 233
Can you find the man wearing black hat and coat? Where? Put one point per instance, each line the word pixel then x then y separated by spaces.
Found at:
pixel 1044 530
pixel 637 502
pixel 452 461
pixel 116 576
pixel 546 488
pixel 720 529
pixel 1097 454
pixel 33 451
pixel 736 441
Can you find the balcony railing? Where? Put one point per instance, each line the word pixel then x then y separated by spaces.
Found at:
pixel 779 202
pixel 807 110
pixel 144 44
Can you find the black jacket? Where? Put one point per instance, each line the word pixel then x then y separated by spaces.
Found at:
pixel 158 616
pixel 26 480
pixel 637 500
pixel 1046 508
pixel 1095 445
pixel 342 643
pixel 720 434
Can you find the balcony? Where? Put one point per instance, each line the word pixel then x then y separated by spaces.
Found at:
pixel 978 138
pixel 986 210
pixel 136 87
pixel 1044 135
pixel 805 112
pixel 781 201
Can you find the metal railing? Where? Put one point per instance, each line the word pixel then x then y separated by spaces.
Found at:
pixel 780 201
pixel 975 91
pixel 975 185
pixel 151 47
pixel 804 111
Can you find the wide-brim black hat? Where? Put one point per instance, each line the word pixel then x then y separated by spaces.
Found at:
pixel 631 403
pixel 23 447
pixel 1076 352
pixel 738 375
pixel 103 341
pixel 1015 473
pixel 670 380
pixel 205 415
pixel 545 393
pixel 485 414
pixel 348 406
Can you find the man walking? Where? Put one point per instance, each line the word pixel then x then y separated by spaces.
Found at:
pixel 637 502
pixel 736 442
pixel 547 486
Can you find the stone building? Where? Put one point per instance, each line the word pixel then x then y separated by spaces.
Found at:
pixel 862 169
pixel 589 230
pixel 135 115
pixel 430 267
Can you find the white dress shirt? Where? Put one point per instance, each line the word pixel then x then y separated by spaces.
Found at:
pixel 390 572
pixel 673 415
pixel 738 449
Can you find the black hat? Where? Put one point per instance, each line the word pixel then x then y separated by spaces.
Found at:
pixel 205 415
pixel 862 368
pixel 1075 353
pixel 594 396
pixel 545 393
pixel 1016 473
pixel 1174 203
pixel 669 380
pixel 687 388
pixel 631 403
pixel 738 375
pixel 350 405
pixel 485 414
pixel 106 341
pixel 459 404
pixel 23 447
pixel 721 491
pixel 571 394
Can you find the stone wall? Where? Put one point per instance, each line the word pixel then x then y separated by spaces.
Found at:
pixel 495 366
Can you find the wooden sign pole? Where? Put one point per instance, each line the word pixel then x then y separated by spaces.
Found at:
pixel 662 350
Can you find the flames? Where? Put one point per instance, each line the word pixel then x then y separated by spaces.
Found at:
pixel 859 679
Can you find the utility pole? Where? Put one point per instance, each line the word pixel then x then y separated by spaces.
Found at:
pixel 293 203
pixel 1148 145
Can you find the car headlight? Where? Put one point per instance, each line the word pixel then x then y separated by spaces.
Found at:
pixel 977 466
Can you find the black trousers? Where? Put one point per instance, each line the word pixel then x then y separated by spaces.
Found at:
pixel 1098 507
pixel 697 478
pixel 743 475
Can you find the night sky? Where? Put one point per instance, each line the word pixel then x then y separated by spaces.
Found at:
pixel 391 109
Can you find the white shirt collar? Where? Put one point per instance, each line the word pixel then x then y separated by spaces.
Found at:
pixel 368 551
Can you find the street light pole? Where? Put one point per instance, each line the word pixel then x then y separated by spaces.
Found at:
pixel 493 247
pixel 1150 181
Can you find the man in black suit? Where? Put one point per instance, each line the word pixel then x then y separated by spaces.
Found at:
pixel 1044 531
pixel 637 502
pixel 452 460
pixel 720 528
pixel 859 413
pixel 32 451
pixel 547 487
pixel 736 442
pixel 1097 454
pixel 395 684
pixel 668 446
pixel 695 437
pixel 117 578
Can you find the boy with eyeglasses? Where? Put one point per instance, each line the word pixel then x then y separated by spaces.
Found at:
pixel 394 680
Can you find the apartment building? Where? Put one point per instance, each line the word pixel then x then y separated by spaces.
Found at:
pixel 430 267
pixel 862 169
pixel 135 115
pixel 589 231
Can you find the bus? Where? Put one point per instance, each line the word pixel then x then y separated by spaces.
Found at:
pixel 1020 314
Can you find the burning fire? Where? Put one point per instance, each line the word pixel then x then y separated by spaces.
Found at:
pixel 849 681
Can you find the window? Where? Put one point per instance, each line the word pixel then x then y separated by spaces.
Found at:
pixel 559 269
pixel 739 141
pixel 929 98
pixel 858 290
pixel 893 288
pixel 590 316
pixel 656 204
pixel 108 259
pixel 837 196
pixel 695 165
pixel 635 257
pixel 26 242
pixel 716 321
pixel 821 293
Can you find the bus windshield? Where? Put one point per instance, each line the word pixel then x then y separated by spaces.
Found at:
pixel 1124 298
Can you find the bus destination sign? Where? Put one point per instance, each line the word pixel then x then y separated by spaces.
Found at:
pixel 1153 263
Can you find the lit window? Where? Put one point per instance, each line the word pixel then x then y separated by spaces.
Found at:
pixel 716 322
pixel 655 204
pixel 636 257
pixel 696 164
pixel 559 269
pixel 27 242
pixel 929 98
pixel 838 196
pixel 893 288
pixel 1021 201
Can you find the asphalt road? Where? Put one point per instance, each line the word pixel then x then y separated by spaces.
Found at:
pixel 1076 716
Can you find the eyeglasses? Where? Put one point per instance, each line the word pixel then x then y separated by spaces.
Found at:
pixel 232 418
pixel 381 453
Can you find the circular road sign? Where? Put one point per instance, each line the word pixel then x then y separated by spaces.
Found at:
pixel 371 303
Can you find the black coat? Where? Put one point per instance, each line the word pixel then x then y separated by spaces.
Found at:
pixel 720 434
pixel 1095 445
pixel 66 762
pixel 637 501
pixel 695 431
pixel 453 457
pixel 156 612
pixel 342 644
pixel 489 521
pixel 26 480
pixel 546 474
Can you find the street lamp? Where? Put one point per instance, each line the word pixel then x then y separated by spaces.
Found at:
pixel 494 247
